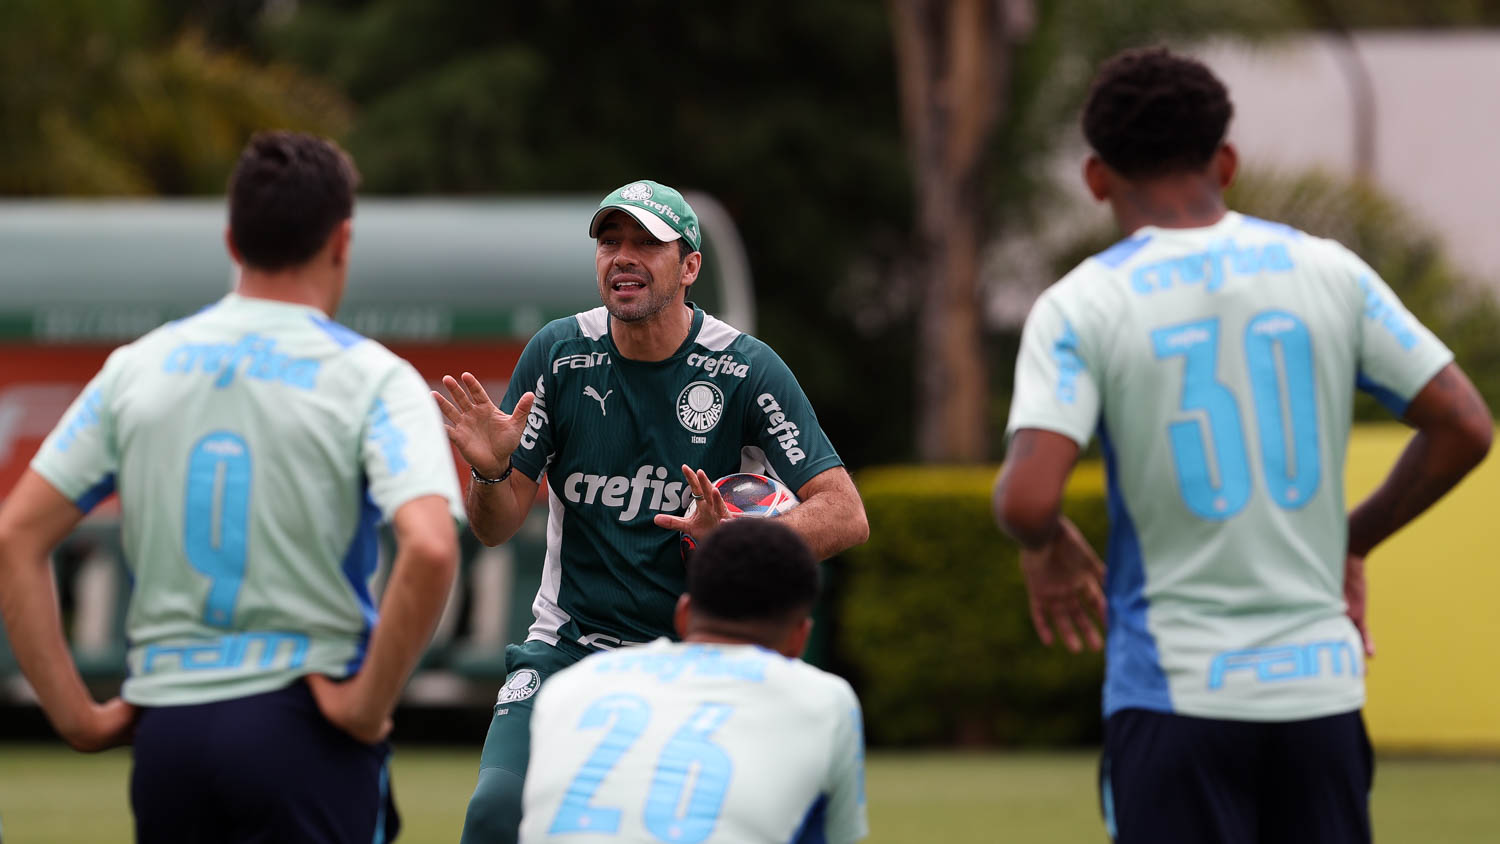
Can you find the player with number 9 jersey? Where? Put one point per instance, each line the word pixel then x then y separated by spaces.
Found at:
pixel 255 447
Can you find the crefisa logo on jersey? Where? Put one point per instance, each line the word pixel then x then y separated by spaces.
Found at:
pixel 700 405
pixel 523 684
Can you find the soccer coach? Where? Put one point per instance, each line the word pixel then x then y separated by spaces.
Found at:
pixel 612 404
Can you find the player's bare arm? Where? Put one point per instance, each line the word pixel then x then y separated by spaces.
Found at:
pixel 1028 495
pixel 421 577
pixel 34 519
pixel 1063 574
pixel 831 517
pixel 486 437
pixel 1454 429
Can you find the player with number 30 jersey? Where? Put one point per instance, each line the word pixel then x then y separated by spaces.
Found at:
pixel 1216 366
pixel 1216 356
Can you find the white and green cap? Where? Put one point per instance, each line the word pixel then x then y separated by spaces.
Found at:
pixel 661 209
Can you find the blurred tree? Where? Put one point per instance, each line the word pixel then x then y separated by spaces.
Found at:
pixel 112 97
pixel 790 119
pixel 1389 14
pixel 954 60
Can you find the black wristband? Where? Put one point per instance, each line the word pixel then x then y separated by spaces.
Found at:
pixel 474 473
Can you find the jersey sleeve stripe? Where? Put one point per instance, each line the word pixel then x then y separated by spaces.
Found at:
pixel 813 829
pixel 593 323
pixel 716 335
pixel 1121 252
pixel 340 334
pixel 96 493
pixel 1389 398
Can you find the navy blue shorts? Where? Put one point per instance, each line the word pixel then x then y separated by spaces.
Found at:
pixel 265 768
pixel 1175 778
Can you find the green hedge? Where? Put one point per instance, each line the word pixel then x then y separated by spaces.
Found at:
pixel 933 622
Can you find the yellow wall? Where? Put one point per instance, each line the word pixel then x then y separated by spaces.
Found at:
pixel 1434 683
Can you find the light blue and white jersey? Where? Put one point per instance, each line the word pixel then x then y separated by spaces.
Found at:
pixel 255 448
pixel 686 743
pixel 1218 366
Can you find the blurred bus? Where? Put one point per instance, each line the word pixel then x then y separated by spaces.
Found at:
pixel 451 285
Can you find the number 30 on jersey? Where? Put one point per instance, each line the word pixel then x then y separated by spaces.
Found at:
pixel 1214 476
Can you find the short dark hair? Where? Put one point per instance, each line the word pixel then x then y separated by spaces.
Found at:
pixel 752 569
pixel 684 249
pixel 1151 112
pixel 287 194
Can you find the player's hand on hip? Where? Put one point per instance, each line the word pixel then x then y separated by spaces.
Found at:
pixel 1064 582
pixel 346 706
pixel 483 434
pixel 108 724
pixel 708 511
pixel 1356 590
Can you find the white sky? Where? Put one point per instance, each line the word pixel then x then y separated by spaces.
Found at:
pixel 1437 143
pixel 1437 123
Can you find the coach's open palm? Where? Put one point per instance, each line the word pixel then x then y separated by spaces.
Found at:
pixel 1064 581
pixel 485 436
pixel 708 510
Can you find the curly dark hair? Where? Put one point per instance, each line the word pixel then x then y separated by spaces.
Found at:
pixel 1151 112
pixel 752 569
pixel 288 192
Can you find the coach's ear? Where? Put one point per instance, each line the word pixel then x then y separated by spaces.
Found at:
pixel 680 615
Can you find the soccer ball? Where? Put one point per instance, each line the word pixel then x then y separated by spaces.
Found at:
pixel 745 494
pixel 749 494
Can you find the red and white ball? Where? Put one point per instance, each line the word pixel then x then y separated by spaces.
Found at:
pixel 749 494
pixel 745 494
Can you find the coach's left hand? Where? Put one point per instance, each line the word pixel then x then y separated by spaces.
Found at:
pixel 706 517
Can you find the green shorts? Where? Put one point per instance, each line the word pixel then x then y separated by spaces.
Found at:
pixel 527 667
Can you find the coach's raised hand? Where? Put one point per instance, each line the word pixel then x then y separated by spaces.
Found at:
pixel 483 434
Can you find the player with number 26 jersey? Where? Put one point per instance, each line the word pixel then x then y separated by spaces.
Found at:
pixel 256 447
pixel 1215 364
pixel 720 742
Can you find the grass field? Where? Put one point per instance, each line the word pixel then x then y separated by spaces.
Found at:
pixel 50 796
